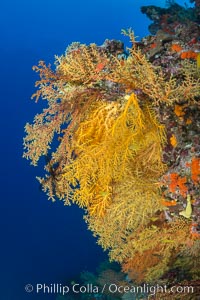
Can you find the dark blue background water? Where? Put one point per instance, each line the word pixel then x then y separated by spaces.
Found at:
pixel 41 241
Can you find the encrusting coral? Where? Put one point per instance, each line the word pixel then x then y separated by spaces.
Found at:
pixel 104 134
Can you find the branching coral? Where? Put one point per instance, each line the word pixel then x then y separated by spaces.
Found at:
pixel 162 243
pixel 112 142
pixel 104 112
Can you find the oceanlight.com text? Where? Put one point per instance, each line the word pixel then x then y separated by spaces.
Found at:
pixel 58 288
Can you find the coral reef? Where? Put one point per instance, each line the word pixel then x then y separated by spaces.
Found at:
pixel 121 134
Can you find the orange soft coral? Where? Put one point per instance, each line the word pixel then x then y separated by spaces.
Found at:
pixel 176 47
pixel 188 54
pixel 173 140
pixel 177 182
pixel 195 170
pixel 179 110
pixel 169 203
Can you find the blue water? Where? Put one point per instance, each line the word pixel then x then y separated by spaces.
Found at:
pixel 43 241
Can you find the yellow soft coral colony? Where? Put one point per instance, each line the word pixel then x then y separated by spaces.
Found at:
pixel 109 154
pixel 115 140
pixel 132 152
